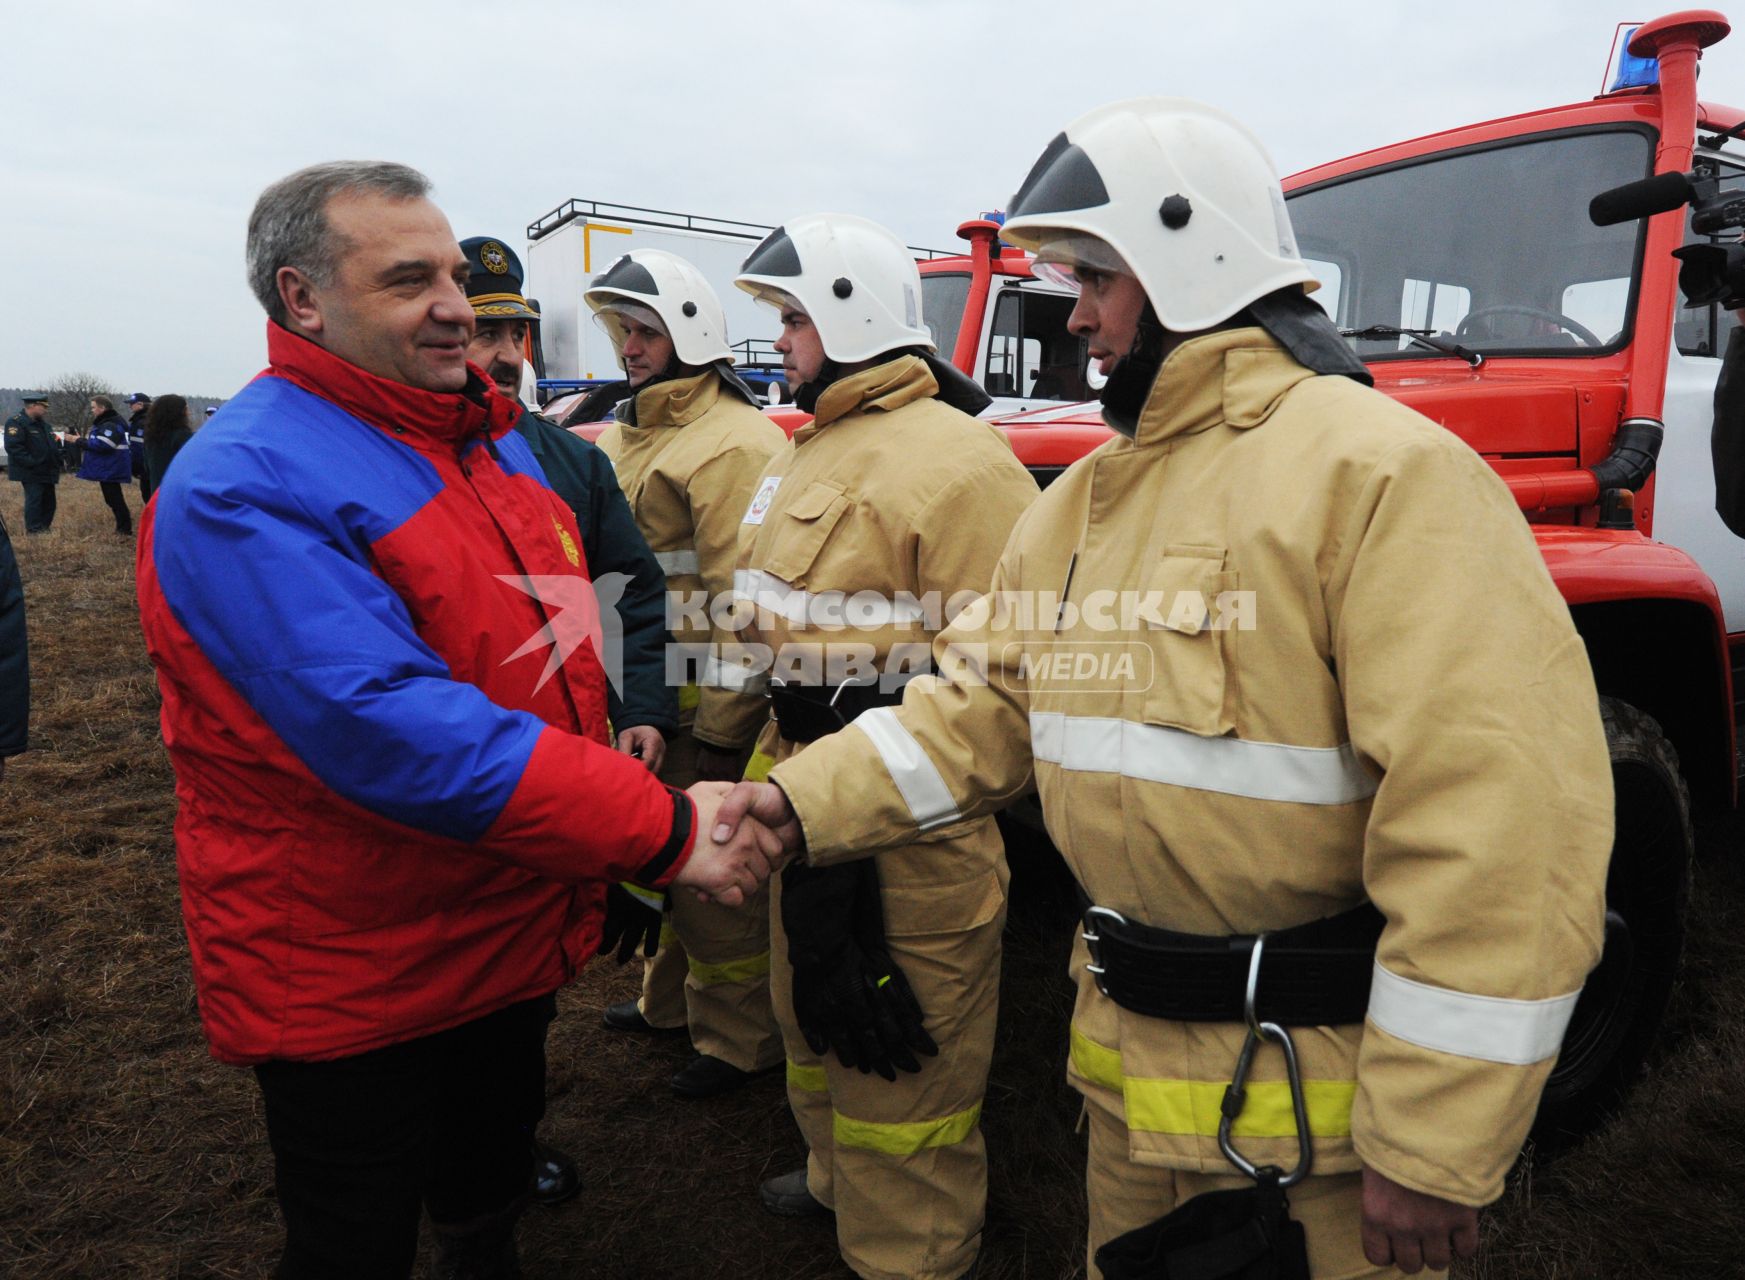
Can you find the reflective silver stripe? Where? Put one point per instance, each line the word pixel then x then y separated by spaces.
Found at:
pixel 1230 766
pixel 861 609
pixel 1489 1028
pixel 717 674
pixel 676 561
pixel 923 790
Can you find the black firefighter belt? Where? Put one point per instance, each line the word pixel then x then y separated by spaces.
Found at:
pixel 1313 975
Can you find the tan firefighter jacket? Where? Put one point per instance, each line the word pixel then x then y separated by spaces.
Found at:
pixel 886 506
pixel 1350 675
pixel 688 462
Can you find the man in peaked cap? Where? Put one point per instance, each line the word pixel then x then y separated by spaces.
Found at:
pixel 138 406
pixel 33 459
pixel 642 708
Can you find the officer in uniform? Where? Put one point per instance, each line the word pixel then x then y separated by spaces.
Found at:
pixel 1357 704
pixel 139 405
pixel 689 444
pixel 889 504
pixel 641 707
pixel 33 459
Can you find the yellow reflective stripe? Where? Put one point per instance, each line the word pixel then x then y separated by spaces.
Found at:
pixel 809 1079
pixel 1097 1063
pixel 711 975
pixel 690 697
pixel 757 769
pixel 668 934
pixel 906 1138
pixel 1192 1106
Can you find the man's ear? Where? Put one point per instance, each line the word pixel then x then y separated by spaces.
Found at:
pixel 302 304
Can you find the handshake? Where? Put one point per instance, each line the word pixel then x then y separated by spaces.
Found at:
pixel 744 833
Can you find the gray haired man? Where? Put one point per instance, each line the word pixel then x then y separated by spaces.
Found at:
pixel 397 822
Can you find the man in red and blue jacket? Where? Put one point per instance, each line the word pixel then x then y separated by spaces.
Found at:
pixel 398 810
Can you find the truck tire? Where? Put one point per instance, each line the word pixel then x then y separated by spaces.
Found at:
pixel 1647 891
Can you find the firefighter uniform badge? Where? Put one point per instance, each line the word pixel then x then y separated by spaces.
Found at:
pixel 760 500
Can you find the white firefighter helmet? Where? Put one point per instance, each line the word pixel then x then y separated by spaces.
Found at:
pixel 663 291
pixel 856 281
pixel 1184 195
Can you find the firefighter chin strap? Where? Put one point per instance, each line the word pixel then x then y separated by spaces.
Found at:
pixel 1297 324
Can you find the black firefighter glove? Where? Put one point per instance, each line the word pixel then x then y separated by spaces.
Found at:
pixel 849 995
pixel 633 919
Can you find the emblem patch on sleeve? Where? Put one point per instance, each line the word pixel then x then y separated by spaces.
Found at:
pixel 760 500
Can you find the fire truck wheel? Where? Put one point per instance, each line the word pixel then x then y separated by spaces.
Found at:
pixel 1647 889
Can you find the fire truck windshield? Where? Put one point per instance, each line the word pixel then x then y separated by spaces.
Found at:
pixel 943 297
pixel 1488 247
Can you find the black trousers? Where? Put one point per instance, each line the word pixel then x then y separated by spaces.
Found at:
pixel 113 495
pixel 360 1144
pixel 39 506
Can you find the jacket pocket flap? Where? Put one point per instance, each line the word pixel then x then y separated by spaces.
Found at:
pixel 816 500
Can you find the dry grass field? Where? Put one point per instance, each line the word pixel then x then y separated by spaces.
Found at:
pixel 126 1151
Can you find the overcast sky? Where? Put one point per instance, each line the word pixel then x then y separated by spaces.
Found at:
pixel 135 137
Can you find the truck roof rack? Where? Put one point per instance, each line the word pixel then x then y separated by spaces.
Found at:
pixel 575 208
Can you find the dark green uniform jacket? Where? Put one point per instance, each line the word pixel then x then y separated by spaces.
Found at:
pixel 14 659
pixel 33 457
pixel 583 478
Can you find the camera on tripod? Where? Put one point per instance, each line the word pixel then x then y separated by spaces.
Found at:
pixel 1708 273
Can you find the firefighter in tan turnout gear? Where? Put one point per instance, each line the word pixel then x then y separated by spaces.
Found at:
pixel 1348 679
pixel 688 446
pixel 892 501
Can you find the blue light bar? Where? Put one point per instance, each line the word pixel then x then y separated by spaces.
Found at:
pixel 1634 72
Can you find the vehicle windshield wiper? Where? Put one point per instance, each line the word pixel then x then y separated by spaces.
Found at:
pixel 1423 337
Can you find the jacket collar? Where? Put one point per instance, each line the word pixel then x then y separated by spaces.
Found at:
pixel 677 402
pixel 106 417
pixel 450 417
pixel 1233 377
pixel 883 387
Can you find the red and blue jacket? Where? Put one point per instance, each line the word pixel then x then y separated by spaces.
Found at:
pixel 392 819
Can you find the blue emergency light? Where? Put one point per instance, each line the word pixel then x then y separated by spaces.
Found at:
pixel 1634 72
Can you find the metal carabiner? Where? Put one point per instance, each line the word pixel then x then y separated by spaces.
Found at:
pixel 1236 1094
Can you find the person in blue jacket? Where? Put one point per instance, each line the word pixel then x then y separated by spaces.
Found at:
pixel 139 405
pixel 108 460
pixel 642 706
